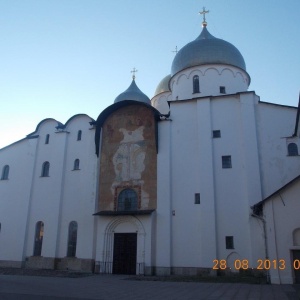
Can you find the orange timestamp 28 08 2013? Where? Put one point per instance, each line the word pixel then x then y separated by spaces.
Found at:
pixel 262 264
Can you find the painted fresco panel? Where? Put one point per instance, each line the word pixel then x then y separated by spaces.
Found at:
pixel 128 157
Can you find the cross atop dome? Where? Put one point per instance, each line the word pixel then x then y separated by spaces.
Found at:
pixel 133 73
pixel 176 50
pixel 203 12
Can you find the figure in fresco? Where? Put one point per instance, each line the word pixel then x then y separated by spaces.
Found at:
pixel 129 158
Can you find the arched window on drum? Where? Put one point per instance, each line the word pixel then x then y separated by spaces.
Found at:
pixel 196 84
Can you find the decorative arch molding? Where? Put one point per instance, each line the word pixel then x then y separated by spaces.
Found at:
pixel 236 73
pixel 172 82
pixel 229 70
pixel 136 224
pixel 244 79
pixel 195 72
pixel 111 227
pixel 212 68
pixel 179 77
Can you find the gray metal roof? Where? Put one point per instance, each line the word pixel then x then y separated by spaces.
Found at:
pixel 133 93
pixel 206 49
pixel 163 86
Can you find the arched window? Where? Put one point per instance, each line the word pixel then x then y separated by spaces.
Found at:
pixel 76 164
pixel 292 149
pixel 47 139
pixel 196 85
pixel 38 238
pixel 79 133
pixel 45 169
pixel 72 239
pixel 5 172
pixel 127 200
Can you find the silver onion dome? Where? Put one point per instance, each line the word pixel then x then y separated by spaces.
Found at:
pixel 163 86
pixel 133 93
pixel 206 49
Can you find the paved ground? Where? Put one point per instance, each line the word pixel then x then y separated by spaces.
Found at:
pixel 104 287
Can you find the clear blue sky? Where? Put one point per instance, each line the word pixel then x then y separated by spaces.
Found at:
pixel 64 57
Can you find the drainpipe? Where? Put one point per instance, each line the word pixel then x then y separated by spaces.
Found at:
pixel 265 238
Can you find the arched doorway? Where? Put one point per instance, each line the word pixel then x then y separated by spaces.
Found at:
pixel 124 246
pixel 124 253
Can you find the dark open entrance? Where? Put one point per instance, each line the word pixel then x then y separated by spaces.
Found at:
pixel 296 265
pixel 124 261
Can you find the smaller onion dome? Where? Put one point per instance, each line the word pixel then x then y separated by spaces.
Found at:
pixel 133 93
pixel 163 86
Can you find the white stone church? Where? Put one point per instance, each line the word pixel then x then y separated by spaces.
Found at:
pixel 203 177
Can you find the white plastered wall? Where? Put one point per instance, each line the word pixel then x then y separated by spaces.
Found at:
pixel 282 218
pixel 14 202
pixel 79 192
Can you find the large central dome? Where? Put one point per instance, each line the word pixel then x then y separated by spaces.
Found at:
pixel 206 49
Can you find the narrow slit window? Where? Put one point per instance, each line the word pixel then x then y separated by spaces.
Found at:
pixel 38 238
pixel 197 198
pixel 47 139
pixel 72 239
pixel 76 164
pixel 45 169
pixel 79 134
pixel 5 172
pixel 196 84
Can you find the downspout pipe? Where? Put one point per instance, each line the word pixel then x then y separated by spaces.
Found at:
pixel 265 238
pixel 297 119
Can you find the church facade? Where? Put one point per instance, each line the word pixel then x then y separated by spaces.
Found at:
pixel 171 185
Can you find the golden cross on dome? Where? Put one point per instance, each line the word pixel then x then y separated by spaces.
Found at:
pixel 175 51
pixel 133 72
pixel 203 12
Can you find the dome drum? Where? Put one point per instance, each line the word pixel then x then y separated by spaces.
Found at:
pixel 212 80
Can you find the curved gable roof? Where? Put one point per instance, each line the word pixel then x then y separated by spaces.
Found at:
pixel 112 108
pixel 30 135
